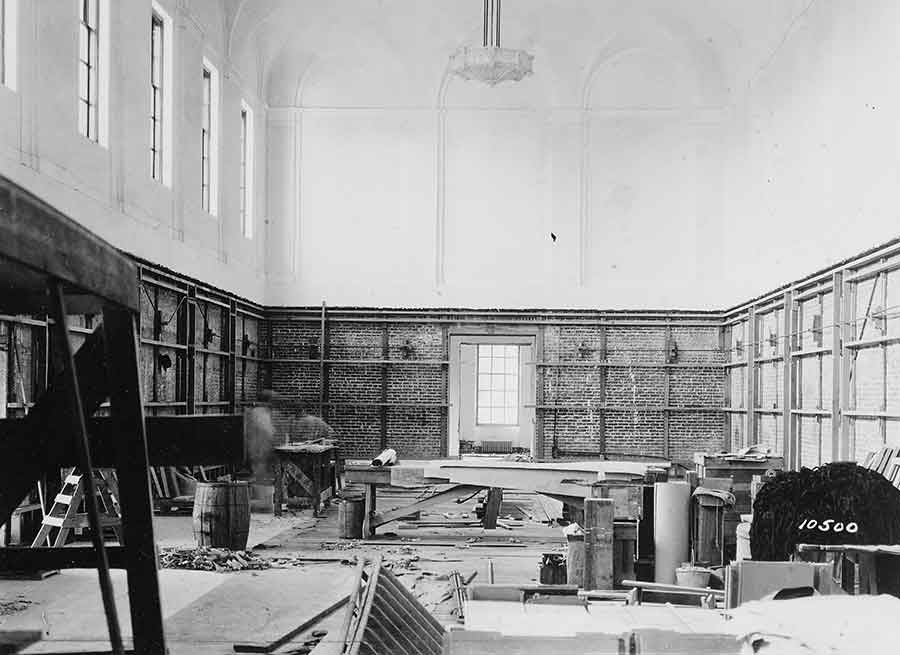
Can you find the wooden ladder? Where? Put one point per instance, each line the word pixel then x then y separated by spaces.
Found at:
pixel 64 514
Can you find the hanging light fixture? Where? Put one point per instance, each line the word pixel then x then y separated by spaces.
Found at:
pixel 490 63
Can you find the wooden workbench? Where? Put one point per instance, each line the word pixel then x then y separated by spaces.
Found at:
pixel 373 477
pixel 314 468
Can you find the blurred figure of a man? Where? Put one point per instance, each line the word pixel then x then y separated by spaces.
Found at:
pixel 309 428
pixel 260 438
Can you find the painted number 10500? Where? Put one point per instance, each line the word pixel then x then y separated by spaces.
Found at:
pixel 829 525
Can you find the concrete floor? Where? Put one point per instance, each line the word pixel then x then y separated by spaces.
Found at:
pixel 207 612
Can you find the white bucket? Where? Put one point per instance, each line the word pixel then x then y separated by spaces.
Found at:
pixel 692 576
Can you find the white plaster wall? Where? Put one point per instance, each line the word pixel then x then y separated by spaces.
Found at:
pixel 109 189
pixel 686 155
pixel 815 162
pixel 409 188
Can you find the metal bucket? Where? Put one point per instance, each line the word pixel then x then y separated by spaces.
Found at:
pixel 350 517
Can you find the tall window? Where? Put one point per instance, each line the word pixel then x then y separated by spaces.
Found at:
pixel 88 69
pixel 246 171
pixel 205 139
pixel 498 384
pixel 8 21
pixel 209 127
pixel 157 34
pixel 3 42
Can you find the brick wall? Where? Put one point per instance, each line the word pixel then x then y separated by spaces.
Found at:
pixel 588 382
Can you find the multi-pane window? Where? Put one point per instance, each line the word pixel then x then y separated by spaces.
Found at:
pixel 2 41
pixel 498 384
pixel 8 20
pixel 246 182
pixel 157 34
pixel 205 140
pixel 88 68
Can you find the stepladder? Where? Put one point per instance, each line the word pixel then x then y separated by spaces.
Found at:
pixel 65 512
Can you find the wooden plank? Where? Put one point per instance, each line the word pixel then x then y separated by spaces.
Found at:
pixel 598 543
pixel 385 352
pixel 750 434
pixel 134 484
pixel 367 474
pixel 847 328
pixel 36 559
pixel 171 440
pixel 296 632
pixel 492 507
pixel 837 306
pixel 790 445
pixel 458 491
pixel 369 511
pixel 41 237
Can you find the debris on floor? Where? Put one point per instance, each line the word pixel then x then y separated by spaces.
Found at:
pixel 220 560
pixel 14 606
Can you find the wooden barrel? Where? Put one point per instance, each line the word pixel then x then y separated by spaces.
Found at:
pixel 350 517
pixel 222 514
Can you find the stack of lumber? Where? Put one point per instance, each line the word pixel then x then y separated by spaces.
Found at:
pixel 384 618
pixel 887 462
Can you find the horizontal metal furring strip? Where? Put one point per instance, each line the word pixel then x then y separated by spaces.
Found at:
pixel 859 413
pixel 163 344
pixel 630 408
pixel 678 323
pixel 621 365
pixel 209 351
pixel 810 352
pixel 350 403
pixel 768 359
pixel 811 412
pixel 872 272
pixel 358 362
pixel 869 343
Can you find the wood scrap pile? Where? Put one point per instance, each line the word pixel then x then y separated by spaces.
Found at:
pixel 220 560
pixel 18 604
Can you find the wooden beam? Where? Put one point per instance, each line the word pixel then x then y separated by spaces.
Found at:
pixel 750 435
pixel 323 372
pixel 383 410
pixel 790 446
pixel 42 238
pixel 604 372
pixel 134 482
pixel 207 439
pixel 666 390
pixel 539 373
pixel 837 303
pixel 48 559
pixel 598 543
pixel 191 382
pixel 458 491
pixel 847 334
pixel 492 507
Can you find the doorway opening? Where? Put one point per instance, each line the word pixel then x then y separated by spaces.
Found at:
pixel 492 392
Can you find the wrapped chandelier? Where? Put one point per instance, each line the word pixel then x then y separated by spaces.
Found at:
pixel 490 63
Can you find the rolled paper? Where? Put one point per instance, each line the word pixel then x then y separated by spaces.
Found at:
pixel 386 458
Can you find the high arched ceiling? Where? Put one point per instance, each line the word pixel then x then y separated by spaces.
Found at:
pixel 395 52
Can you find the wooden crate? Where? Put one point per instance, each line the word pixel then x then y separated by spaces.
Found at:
pixel 740 471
